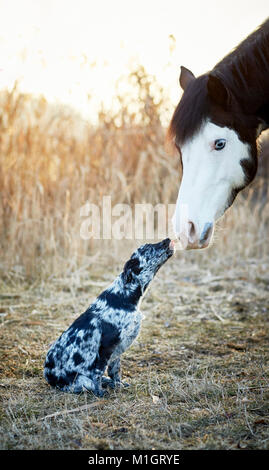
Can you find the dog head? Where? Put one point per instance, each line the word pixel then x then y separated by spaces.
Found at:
pixel 145 262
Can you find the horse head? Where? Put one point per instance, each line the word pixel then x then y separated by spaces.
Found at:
pixel 216 140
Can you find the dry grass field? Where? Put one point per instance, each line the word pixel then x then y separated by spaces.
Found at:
pixel 199 371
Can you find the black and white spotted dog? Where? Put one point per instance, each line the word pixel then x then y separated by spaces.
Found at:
pixel 95 341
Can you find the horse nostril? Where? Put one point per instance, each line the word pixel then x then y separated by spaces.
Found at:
pixel 206 232
pixel 191 230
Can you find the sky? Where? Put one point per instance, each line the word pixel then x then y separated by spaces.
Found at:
pixel 68 50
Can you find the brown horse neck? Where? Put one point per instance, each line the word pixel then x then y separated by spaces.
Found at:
pixel 245 72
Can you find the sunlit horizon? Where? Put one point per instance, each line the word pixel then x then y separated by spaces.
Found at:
pixel 74 52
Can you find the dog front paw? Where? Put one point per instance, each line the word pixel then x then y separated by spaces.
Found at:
pixel 113 383
pixel 107 382
pixel 101 393
pixel 120 384
pixel 124 384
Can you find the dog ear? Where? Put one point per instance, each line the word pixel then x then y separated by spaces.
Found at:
pixel 131 269
pixel 128 276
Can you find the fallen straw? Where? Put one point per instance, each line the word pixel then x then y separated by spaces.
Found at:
pixel 73 410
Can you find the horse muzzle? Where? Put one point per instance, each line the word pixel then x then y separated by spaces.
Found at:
pixel 191 238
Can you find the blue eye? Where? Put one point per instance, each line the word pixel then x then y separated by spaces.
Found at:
pixel 219 144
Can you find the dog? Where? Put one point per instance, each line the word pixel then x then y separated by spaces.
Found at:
pixel 94 342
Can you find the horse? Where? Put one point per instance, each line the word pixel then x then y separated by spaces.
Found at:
pixel 215 128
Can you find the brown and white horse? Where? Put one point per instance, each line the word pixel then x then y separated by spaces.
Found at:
pixel 215 127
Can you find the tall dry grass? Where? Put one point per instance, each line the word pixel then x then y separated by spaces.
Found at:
pixel 52 162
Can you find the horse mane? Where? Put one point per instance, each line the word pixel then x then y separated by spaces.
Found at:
pixel 247 64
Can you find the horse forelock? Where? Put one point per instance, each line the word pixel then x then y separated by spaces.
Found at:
pixel 191 112
pixel 196 107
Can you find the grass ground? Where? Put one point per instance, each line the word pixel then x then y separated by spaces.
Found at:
pixel 199 371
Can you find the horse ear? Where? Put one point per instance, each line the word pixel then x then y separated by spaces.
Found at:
pixel 217 91
pixel 262 126
pixel 186 76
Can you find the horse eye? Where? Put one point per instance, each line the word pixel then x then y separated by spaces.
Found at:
pixel 219 144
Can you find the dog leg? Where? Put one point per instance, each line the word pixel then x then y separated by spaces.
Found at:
pixel 107 382
pixel 84 383
pixel 114 374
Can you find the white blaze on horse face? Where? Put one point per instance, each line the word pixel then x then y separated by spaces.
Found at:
pixel 209 177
